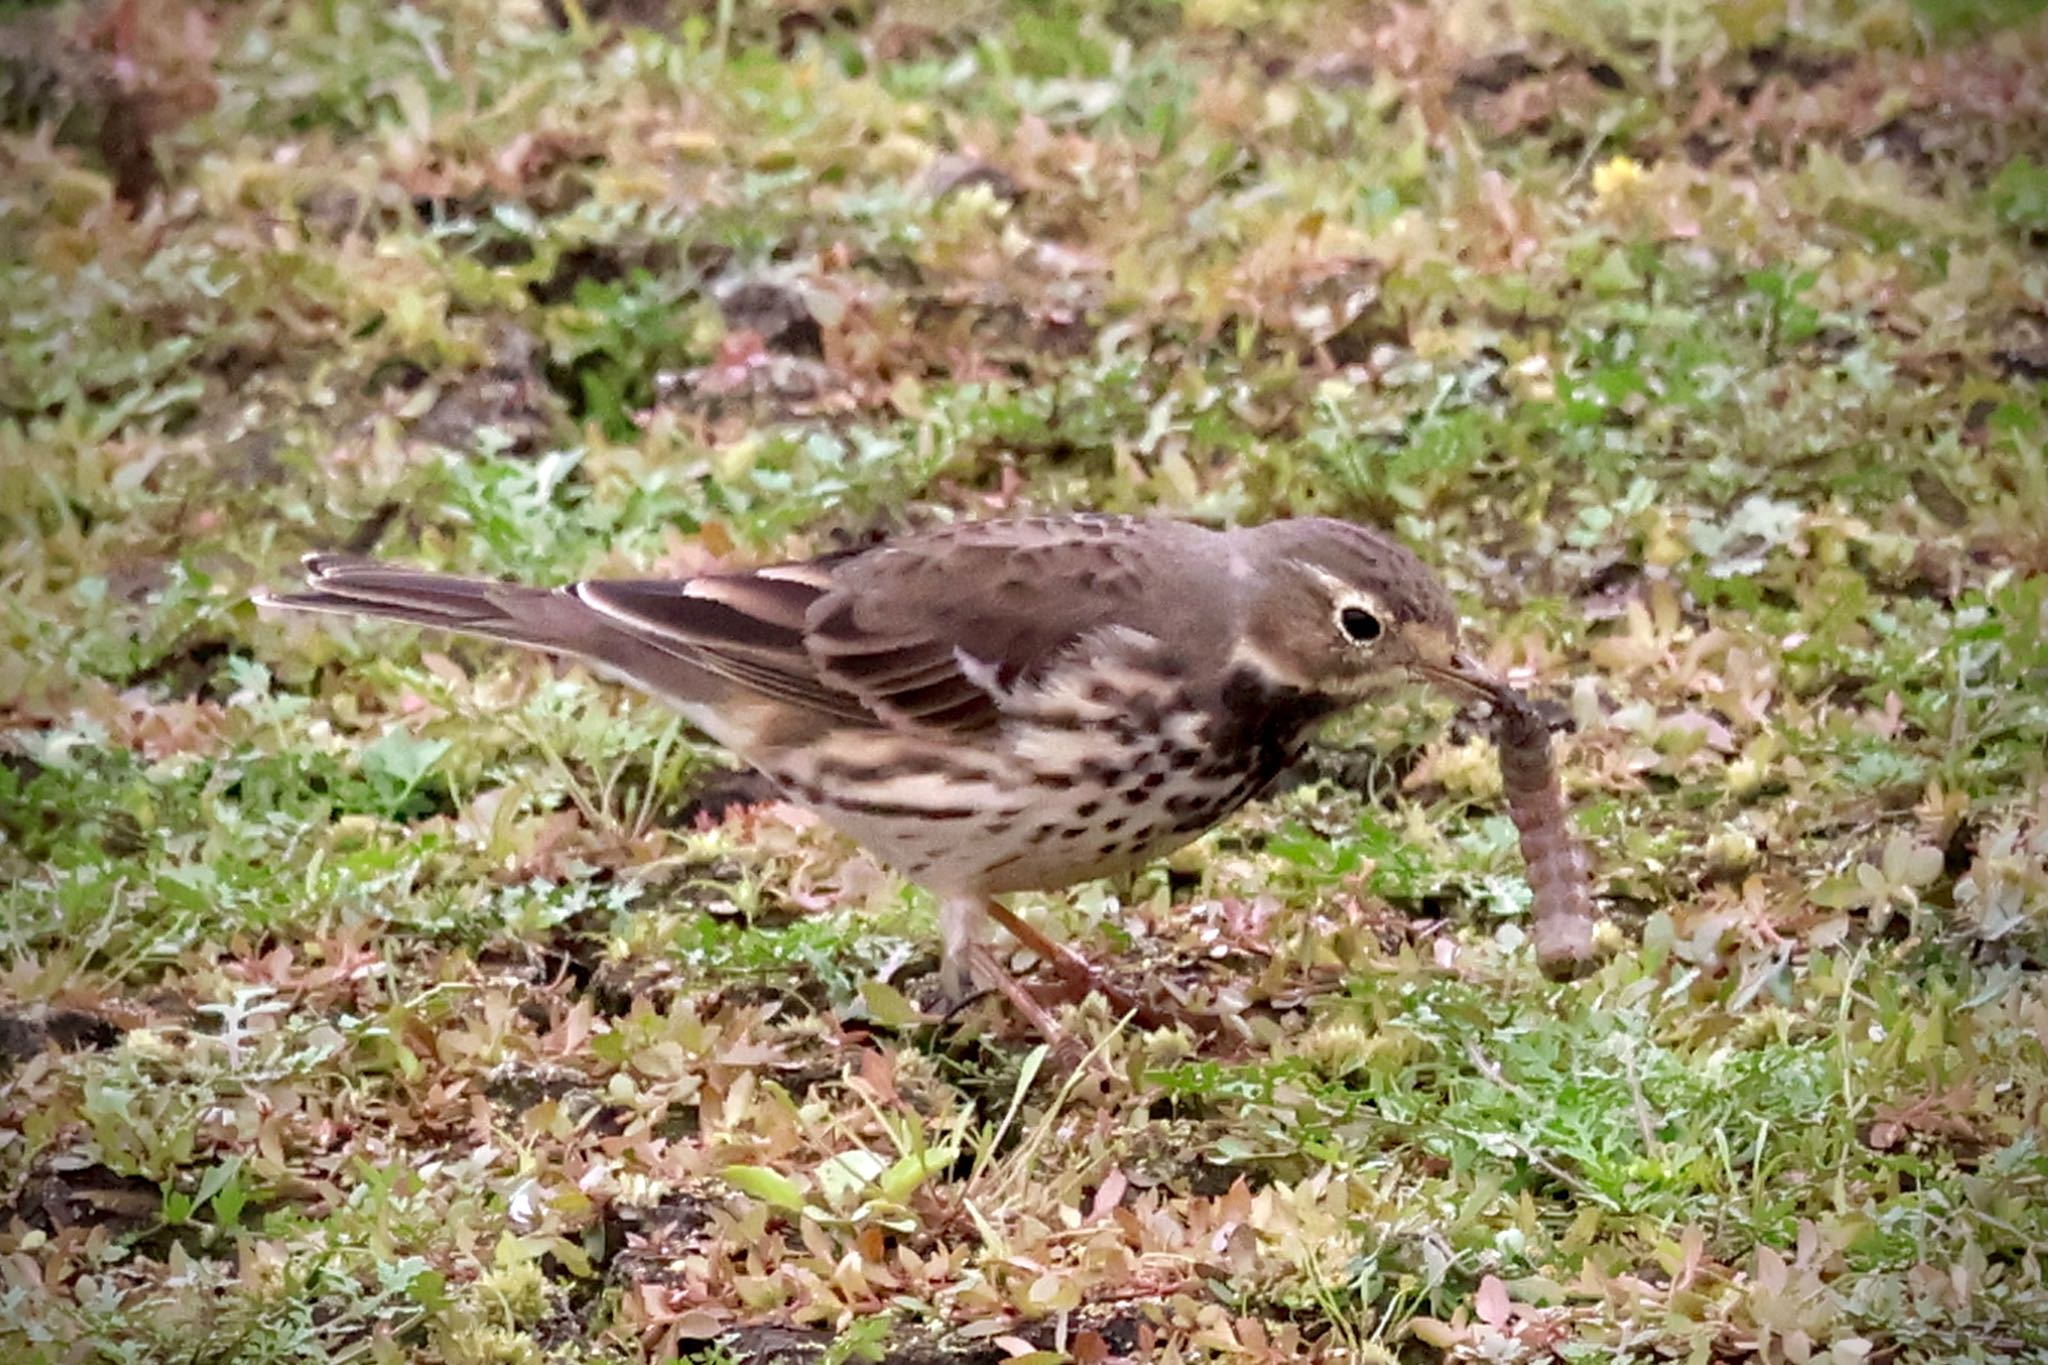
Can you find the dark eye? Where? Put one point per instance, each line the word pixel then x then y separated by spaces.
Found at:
pixel 1359 624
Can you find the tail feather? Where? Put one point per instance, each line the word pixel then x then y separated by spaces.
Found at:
pixel 555 620
pixel 351 586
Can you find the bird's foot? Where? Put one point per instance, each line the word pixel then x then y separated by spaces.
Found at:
pixel 1083 977
pixel 1068 1052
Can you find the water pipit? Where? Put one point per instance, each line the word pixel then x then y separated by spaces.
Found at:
pixel 995 706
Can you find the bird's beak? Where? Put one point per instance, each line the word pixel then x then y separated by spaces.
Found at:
pixel 1464 676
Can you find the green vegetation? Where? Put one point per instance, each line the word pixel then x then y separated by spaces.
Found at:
pixel 370 996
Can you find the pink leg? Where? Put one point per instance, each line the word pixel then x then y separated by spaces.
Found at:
pixel 1067 1050
pixel 1075 969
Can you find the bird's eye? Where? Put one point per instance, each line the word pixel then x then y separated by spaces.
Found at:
pixel 1360 624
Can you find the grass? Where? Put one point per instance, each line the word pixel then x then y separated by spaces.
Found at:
pixel 371 996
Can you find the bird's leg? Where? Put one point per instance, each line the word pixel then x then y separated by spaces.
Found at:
pixel 964 959
pixel 960 924
pixel 966 962
pixel 1065 1046
pixel 1073 968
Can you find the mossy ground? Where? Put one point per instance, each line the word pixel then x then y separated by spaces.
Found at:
pixel 372 996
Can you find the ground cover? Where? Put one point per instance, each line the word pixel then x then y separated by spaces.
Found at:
pixel 372 996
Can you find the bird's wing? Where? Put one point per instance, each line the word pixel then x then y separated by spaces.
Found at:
pixel 934 631
pixel 746 628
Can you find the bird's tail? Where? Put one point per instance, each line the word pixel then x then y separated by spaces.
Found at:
pixel 539 618
pixel 556 620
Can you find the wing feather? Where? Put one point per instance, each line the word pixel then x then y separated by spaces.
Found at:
pixel 939 632
pixel 745 628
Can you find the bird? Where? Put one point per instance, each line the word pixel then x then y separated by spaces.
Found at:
pixel 994 706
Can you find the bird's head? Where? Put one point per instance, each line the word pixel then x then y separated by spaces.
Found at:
pixel 1342 612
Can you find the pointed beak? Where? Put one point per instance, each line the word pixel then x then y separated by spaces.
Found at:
pixel 1465 676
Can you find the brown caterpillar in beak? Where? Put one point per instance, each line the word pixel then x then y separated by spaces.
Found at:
pixel 1562 902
